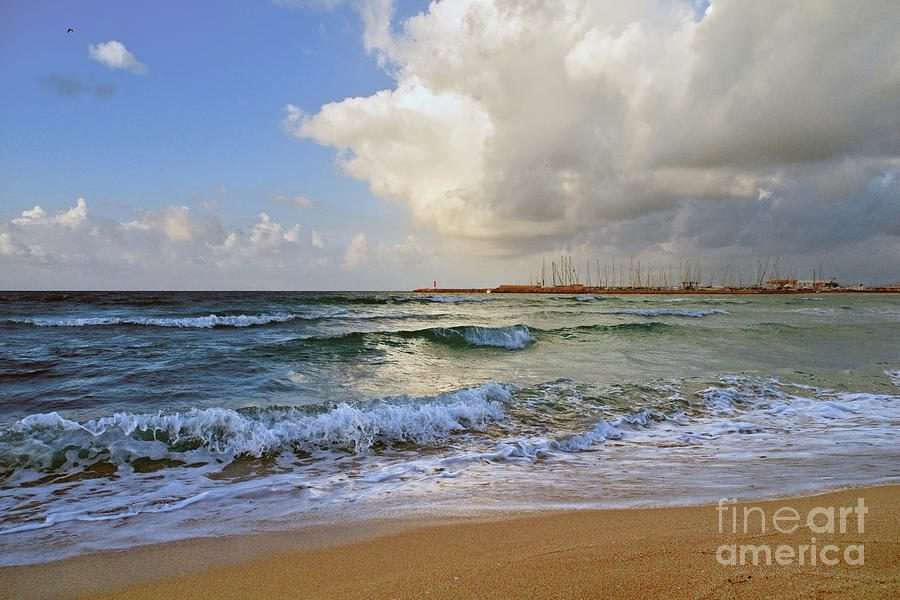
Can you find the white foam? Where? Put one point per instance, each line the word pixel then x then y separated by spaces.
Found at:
pixel 722 401
pixel 229 432
pixel 894 376
pixel 740 427
pixel 48 420
pixel 207 321
pixel 297 378
pixel 157 506
pixel 601 432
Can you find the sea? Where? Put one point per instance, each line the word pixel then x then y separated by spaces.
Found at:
pixel 129 418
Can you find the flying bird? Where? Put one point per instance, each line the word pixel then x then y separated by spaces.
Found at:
pixel 69 30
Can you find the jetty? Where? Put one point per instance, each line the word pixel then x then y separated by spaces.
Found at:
pixel 582 289
pixel 565 275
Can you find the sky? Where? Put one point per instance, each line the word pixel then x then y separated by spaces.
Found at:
pixel 378 144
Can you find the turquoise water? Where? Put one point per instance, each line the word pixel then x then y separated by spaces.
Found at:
pixel 128 418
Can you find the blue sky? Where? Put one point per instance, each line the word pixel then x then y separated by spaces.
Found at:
pixel 459 140
pixel 206 114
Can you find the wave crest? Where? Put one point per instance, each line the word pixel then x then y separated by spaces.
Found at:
pixel 44 440
pixel 511 338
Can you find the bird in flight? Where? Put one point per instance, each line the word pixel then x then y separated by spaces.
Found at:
pixel 69 30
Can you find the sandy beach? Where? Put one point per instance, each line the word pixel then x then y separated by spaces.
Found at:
pixel 673 552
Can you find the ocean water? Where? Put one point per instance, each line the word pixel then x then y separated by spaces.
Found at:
pixel 132 418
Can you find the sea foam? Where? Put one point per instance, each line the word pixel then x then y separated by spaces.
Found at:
pixel 207 321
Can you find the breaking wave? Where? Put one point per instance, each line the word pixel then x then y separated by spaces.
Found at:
pixel 516 337
pixel 511 338
pixel 356 450
pixel 50 442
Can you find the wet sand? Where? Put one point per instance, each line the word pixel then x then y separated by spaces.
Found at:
pixel 620 553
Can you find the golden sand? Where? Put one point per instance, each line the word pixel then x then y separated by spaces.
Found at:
pixel 627 553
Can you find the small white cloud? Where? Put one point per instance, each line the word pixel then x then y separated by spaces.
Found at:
pixel 301 201
pixel 177 224
pixel 31 217
pixel 293 234
pixel 270 235
pixel 74 216
pixel 114 55
pixel 317 240
pixel 357 252
pixel 38 216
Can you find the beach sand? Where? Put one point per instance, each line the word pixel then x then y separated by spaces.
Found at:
pixel 619 553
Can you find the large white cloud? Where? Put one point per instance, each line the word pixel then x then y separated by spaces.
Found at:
pixel 527 124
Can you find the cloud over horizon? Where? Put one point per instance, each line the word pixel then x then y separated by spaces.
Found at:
pixel 522 127
pixel 177 245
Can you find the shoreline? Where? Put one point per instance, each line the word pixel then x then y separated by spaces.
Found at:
pixel 620 553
